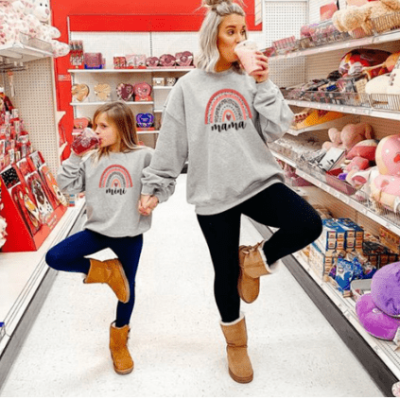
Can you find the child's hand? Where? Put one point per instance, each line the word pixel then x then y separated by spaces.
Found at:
pixel 147 204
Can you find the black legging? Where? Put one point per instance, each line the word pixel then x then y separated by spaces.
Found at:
pixel 277 206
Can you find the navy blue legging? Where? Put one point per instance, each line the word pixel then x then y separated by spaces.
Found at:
pixel 277 206
pixel 69 255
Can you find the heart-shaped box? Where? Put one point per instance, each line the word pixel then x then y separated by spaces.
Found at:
pixel 103 91
pixel 184 59
pixel 80 92
pixel 125 91
pixel 142 92
pixel 145 120
pixel 167 60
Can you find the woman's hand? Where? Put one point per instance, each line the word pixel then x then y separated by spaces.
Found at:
pixel 263 75
pixel 147 204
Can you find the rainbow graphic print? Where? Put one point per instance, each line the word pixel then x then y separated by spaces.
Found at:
pixel 115 179
pixel 227 109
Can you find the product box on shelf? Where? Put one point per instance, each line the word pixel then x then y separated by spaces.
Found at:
pixel 378 254
pixel 322 261
pixel 389 239
pixel 33 204
pixel 354 234
pixel 333 236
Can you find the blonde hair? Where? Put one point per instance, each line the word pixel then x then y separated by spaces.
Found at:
pixel 208 34
pixel 121 116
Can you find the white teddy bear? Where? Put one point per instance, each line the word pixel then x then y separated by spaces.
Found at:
pixel 8 23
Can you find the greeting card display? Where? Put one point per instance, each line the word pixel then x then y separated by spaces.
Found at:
pixel 142 92
pixel 125 91
pixel 32 205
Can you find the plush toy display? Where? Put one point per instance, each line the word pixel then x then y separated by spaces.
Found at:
pixel 357 21
pixel 379 311
pixel 32 19
pixel 385 289
pixel 349 136
pixel 365 149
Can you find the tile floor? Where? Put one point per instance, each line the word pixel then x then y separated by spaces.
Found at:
pixel 175 339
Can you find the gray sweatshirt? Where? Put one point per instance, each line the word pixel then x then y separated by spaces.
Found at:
pixel 112 186
pixel 221 123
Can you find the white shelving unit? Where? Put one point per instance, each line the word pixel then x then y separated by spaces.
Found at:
pixel 115 76
pixel 22 53
pixel 384 122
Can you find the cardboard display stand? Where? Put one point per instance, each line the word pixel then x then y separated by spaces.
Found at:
pixel 33 203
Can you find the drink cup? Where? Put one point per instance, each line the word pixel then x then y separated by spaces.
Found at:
pixel 246 51
pixel 84 142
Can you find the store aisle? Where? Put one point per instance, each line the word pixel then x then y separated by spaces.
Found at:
pixel 176 341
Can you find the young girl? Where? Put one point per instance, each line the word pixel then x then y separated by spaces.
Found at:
pixel 221 120
pixel 110 178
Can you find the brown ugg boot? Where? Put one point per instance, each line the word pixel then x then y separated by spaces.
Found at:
pixel 253 264
pixel 122 360
pixel 112 273
pixel 239 364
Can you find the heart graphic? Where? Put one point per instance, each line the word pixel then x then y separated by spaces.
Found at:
pixel 228 117
pixel 397 158
pixel 145 120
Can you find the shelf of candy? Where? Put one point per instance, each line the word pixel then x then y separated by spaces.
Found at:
pixel 33 203
pixel 78 59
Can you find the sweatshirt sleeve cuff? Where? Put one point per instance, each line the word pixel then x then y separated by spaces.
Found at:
pixel 74 158
pixel 266 85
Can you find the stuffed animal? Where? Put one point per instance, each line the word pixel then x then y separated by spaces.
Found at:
pixel 385 186
pixel 8 23
pixel 357 20
pixel 349 136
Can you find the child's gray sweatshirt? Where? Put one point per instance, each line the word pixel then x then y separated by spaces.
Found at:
pixel 112 187
pixel 221 123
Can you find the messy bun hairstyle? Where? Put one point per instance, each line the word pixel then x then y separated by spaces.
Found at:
pixel 209 54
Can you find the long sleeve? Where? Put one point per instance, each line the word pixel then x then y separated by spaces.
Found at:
pixel 275 116
pixel 71 175
pixel 171 152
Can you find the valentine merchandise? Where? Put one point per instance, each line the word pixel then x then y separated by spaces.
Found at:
pixel 385 289
pixel 247 53
pixel 184 59
pixel 158 81
pixel 84 142
pixel 374 320
pixel 167 61
pixel 27 207
pixel 327 11
pixel 286 45
pixel 93 60
pixel 119 62
pixel 170 81
pixel 139 61
pixel 125 91
pixel 82 123
pixel 80 92
pixel 388 155
pixel 144 120
pixel 102 91
pixel 130 61
pixel 142 92
pixel 42 202
pixel 52 190
pixel 3 232
pixel 152 62
pixel 355 61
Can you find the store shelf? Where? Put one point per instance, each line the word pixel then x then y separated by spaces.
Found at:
pixel 143 132
pixel 162 87
pixel 372 112
pixel 23 53
pixel 348 44
pixel 349 201
pixel 386 350
pixel 117 71
pixel 99 103
pixel 284 159
pixel 21 275
pixel 337 123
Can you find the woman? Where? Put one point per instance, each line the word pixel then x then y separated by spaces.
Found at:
pixel 221 120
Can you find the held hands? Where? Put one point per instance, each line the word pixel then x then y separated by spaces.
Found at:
pixel 147 204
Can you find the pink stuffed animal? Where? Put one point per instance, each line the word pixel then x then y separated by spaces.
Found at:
pixel 350 135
